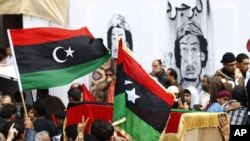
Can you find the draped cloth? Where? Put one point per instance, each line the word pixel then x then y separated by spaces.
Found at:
pixel 53 10
pixel 195 126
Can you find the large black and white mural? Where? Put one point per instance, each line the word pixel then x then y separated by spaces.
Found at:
pixel 118 28
pixel 189 46
pixel 163 29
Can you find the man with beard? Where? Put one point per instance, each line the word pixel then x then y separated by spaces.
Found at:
pixel 190 54
pixel 205 91
pixel 171 79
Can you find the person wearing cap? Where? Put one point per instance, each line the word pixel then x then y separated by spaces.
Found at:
pixel 227 77
pixel 222 98
pixel 221 102
pixel 176 91
pixel 191 98
pixel 191 54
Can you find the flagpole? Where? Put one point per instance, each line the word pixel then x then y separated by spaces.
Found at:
pixel 17 73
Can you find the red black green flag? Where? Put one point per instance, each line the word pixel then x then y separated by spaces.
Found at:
pixel 49 57
pixel 142 105
pixel 91 110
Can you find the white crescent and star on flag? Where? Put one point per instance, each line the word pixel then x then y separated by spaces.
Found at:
pixel 68 51
pixel 131 93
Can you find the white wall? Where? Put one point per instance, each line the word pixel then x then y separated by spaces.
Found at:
pixel 147 20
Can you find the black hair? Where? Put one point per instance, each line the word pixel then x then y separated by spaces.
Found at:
pixel 3 54
pixel 17 96
pixel 239 93
pixel 173 73
pixel 40 108
pixel 186 91
pixel 28 107
pixel 75 94
pixel 159 61
pixel 71 131
pixel 240 57
pixel 127 34
pixel 17 125
pixel 43 91
pixel 102 130
pixel 8 110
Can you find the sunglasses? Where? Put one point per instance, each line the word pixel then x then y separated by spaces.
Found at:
pixel 108 74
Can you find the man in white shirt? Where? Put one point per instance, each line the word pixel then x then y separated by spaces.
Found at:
pixel 9 58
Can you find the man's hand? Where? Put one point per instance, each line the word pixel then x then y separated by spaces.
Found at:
pixel 12 133
pixel 233 106
pixel 80 129
pixel 182 106
pixel 237 73
pixel 28 123
pixel 224 126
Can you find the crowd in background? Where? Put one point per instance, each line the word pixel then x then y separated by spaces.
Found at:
pixel 225 91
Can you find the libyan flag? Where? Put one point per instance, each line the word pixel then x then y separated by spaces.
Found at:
pixel 142 105
pixel 49 57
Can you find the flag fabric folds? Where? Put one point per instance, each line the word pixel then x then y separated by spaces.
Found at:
pixel 142 105
pixel 86 95
pixel 91 110
pixel 49 57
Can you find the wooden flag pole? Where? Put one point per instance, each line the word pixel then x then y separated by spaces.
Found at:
pixel 17 73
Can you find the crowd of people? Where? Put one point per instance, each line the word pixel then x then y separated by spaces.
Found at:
pixel 45 119
pixel 225 91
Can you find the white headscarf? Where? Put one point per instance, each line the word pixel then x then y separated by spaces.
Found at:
pixel 194 96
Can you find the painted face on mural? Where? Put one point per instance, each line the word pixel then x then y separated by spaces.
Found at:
pixel 190 57
pixel 117 34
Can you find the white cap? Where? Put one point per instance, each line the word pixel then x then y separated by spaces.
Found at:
pixel 173 89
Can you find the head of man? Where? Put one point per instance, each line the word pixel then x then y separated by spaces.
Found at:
pixel 6 99
pixel 110 75
pixel 243 62
pixel 40 108
pixel 229 62
pixel 190 50
pixel 71 132
pixel 171 76
pixel 8 51
pixel 156 67
pixel 42 93
pixel 76 86
pixel 118 29
pixel 102 130
pixel 205 82
pixel 8 112
pixel 74 95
